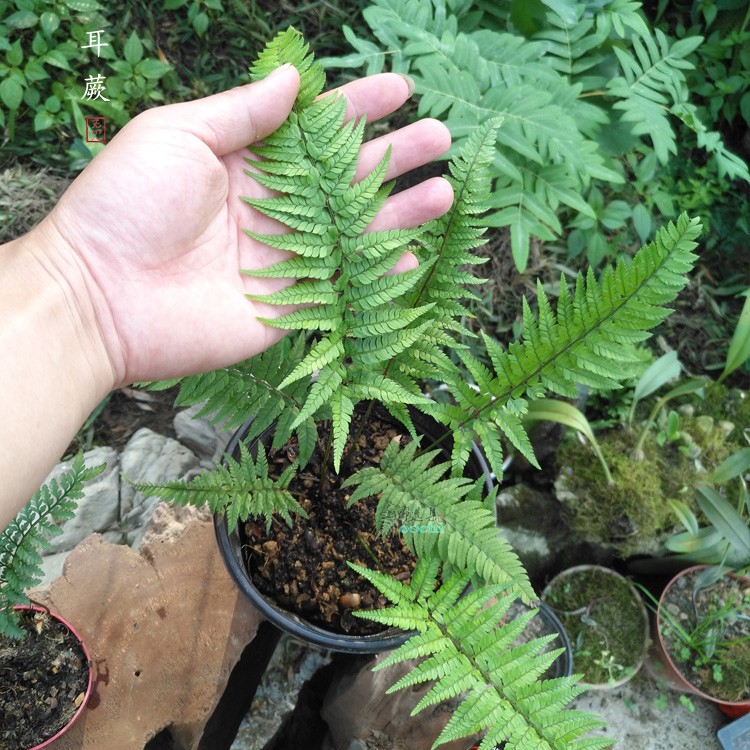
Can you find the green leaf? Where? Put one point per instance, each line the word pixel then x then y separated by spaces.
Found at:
pixel 133 49
pixel 739 347
pixel 49 22
pixel 725 519
pixel 39 45
pixel 686 516
pixel 561 412
pixel 14 56
pixel 665 368
pixel 43 120
pixel 174 4
pixel 736 465
pixel 200 23
pixel 83 6
pixel 11 93
pixel 57 58
pixel 152 68
pixel 22 19
pixel 642 222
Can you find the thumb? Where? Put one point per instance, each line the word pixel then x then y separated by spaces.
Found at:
pixel 234 119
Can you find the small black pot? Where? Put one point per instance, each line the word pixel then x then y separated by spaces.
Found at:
pixel 230 547
pixel 563 665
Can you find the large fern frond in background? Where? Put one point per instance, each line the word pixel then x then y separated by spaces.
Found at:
pixel 468 648
pixel 652 81
pixel 560 91
pixel 583 342
pixel 25 536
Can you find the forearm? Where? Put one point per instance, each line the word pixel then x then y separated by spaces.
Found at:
pixel 53 366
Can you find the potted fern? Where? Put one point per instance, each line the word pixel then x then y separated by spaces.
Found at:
pixel 46 668
pixel 337 410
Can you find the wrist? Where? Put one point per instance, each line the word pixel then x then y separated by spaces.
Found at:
pixel 54 368
pixel 74 302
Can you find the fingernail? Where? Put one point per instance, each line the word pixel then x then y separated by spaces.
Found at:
pixel 409 82
pixel 280 69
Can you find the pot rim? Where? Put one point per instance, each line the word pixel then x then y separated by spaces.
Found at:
pixel 89 683
pixel 290 622
pixel 642 608
pixel 731 706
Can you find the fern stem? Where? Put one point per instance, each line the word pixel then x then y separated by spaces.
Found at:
pixel 598 92
pixel 347 460
pixel 370 553
pixel 326 458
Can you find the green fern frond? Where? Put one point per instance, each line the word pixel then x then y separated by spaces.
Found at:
pixel 262 388
pixel 652 82
pixel 22 540
pixel 468 648
pixel 239 490
pixel 410 485
pixel 584 341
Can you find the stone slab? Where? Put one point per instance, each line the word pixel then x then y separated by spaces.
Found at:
pixel 164 626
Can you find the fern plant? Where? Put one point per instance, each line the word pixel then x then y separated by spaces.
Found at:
pixel 365 338
pixel 578 84
pixel 22 540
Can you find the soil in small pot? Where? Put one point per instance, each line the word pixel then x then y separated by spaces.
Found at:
pixel 304 568
pixel 723 670
pixel 43 681
pixel 605 621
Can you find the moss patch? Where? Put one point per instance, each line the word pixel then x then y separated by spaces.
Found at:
pixel 632 511
pixel 632 514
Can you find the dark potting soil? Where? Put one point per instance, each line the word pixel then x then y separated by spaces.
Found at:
pixel 304 567
pixel 717 616
pixel 43 680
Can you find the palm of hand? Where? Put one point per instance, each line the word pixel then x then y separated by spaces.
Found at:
pixel 155 224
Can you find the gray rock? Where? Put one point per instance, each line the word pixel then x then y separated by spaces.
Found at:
pixel 200 435
pixel 98 509
pixel 153 458
pixel 532 522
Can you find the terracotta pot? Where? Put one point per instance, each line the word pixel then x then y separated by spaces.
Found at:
pixel 643 614
pixel 230 542
pixel 674 672
pixel 89 683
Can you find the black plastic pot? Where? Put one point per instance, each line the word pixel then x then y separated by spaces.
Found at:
pixel 563 665
pixel 230 546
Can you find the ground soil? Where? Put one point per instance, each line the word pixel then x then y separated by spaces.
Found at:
pixel 44 679
pixel 724 638
pixel 125 411
pixel 305 567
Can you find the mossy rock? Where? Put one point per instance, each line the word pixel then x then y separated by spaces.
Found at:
pixel 631 516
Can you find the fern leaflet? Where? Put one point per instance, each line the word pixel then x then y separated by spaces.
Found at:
pixel 22 540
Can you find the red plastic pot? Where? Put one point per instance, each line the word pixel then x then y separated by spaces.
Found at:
pixel 89 683
pixel 673 671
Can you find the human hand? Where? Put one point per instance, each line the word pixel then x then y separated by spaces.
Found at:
pixel 152 229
